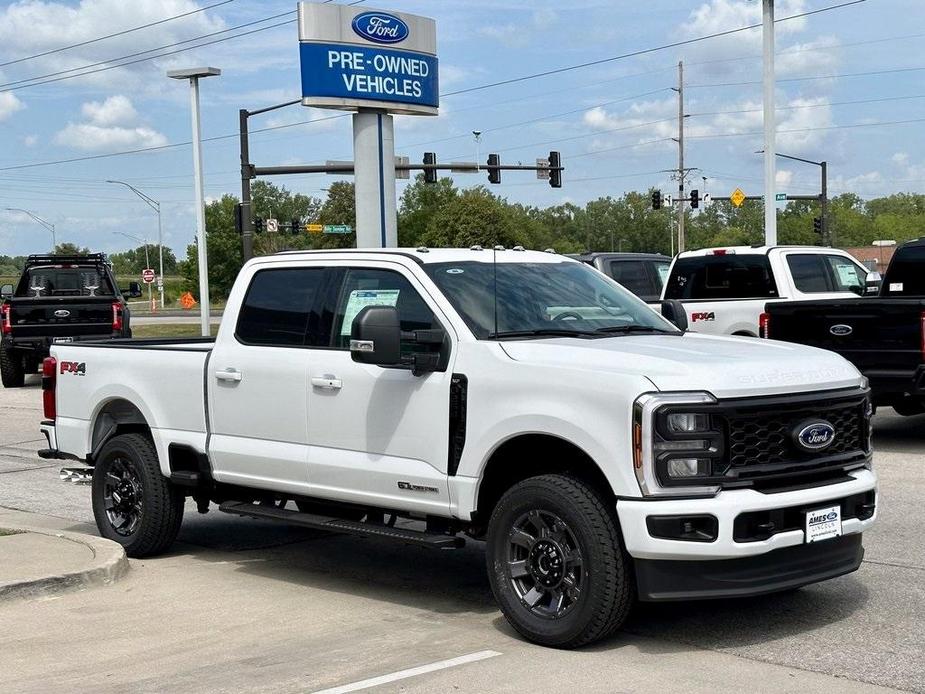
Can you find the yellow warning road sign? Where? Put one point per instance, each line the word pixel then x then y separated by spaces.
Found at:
pixel 737 197
pixel 187 301
pixel 314 228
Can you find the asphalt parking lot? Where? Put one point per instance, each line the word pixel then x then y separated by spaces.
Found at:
pixel 243 605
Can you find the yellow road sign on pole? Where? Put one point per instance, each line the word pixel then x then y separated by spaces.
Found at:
pixel 314 228
pixel 737 197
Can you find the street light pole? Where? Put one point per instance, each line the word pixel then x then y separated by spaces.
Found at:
pixel 193 76
pixel 770 144
pixel 48 225
pixel 156 206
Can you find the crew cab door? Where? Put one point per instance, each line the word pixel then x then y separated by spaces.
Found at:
pixel 377 435
pixel 257 382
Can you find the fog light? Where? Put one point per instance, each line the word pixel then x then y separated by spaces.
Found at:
pixel 687 422
pixel 680 468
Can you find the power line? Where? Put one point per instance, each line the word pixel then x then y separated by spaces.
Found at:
pixel 644 51
pixel 816 105
pixel 118 33
pixel 132 55
pixel 811 77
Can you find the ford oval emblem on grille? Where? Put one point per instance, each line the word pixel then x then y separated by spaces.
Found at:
pixel 814 436
pixel 380 27
pixel 841 330
pixel 61 313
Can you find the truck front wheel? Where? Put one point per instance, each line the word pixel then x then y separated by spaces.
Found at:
pixel 556 563
pixel 11 368
pixel 133 503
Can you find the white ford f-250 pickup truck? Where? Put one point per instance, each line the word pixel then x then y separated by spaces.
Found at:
pixel 519 397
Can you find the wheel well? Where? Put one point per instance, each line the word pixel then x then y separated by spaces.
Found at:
pixel 116 417
pixel 744 333
pixel 530 455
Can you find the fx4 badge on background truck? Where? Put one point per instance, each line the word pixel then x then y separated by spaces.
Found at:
pixel 517 397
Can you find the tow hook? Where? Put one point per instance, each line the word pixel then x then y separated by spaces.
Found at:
pixel 77 475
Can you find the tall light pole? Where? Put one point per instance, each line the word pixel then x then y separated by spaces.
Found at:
pixel 770 143
pixel 147 263
pixel 193 76
pixel 47 225
pixel 156 206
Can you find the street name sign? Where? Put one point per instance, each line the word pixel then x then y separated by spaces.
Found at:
pixel 337 229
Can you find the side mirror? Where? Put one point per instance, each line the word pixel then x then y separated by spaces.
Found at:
pixel 873 283
pixel 673 310
pixel 375 336
pixel 6 291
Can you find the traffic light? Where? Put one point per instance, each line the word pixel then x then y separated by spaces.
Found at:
pixel 817 225
pixel 239 218
pixel 294 226
pixel 258 226
pixel 430 175
pixel 656 199
pixel 555 170
pixel 695 199
pixel 494 173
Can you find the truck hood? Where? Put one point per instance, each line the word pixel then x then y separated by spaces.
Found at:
pixel 724 366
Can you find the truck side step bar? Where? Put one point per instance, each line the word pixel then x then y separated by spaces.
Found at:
pixel 311 520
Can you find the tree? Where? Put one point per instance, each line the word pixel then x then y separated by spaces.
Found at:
pixel 224 250
pixel 132 262
pixel 68 248
pixel 474 217
pixel 419 202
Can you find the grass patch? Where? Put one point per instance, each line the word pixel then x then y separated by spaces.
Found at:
pixel 170 330
pixel 4 531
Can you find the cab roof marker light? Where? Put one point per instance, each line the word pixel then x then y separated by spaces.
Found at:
pixel 423 249
pixel 476 247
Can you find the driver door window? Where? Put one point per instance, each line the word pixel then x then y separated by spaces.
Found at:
pixel 847 275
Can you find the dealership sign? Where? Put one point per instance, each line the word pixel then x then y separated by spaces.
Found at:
pixel 353 58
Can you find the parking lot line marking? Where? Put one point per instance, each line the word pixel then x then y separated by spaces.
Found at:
pixel 410 672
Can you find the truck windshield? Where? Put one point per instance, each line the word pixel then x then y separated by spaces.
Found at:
pixel 542 299
pixel 721 277
pixel 56 280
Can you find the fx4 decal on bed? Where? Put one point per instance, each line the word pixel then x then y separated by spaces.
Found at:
pixel 73 367
pixel 702 315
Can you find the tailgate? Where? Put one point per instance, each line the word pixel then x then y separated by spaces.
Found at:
pixel 871 333
pixel 61 317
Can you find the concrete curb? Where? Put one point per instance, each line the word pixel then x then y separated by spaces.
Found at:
pixel 109 565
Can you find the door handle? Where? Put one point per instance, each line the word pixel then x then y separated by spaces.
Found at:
pixel 327 382
pixel 229 375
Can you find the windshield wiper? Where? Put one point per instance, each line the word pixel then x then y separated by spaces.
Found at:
pixel 627 329
pixel 542 332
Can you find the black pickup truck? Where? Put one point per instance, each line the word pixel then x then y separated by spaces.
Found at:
pixel 59 298
pixel 883 335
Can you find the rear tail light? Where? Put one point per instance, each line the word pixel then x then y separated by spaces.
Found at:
pixel 49 382
pixel 922 330
pixel 764 325
pixel 5 315
pixel 116 316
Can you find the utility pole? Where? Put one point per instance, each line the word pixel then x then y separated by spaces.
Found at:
pixel 681 172
pixel 824 205
pixel 770 143
pixel 247 209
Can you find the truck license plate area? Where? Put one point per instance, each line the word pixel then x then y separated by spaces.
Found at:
pixel 63 340
pixel 823 523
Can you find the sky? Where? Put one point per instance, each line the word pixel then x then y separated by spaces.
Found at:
pixel 613 122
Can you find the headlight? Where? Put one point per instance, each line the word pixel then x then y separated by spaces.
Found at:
pixel 688 422
pixel 676 448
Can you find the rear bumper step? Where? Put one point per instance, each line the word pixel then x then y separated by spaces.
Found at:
pixel 339 525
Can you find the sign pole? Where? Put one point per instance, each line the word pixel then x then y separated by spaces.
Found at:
pixel 374 179
pixel 770 143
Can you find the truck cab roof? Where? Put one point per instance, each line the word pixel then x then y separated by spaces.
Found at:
pixel 753 250
pixel 426 256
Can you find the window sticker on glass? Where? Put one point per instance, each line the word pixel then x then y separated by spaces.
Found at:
pixel 847 275
pixel 896 286
pixel 361 298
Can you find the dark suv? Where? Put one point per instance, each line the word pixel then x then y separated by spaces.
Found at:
pixel 59 298
pixel 641 273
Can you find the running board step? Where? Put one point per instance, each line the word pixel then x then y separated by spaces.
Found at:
pixel 312 520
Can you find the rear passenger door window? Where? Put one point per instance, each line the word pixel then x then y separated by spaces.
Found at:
pixel 633 275
pixel 809 272
pixel 279 308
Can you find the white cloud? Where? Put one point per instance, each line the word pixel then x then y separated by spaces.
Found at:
pixel 116 110
pixel 9 105
pixel 111 124
pixel 30 140
pixel 784 177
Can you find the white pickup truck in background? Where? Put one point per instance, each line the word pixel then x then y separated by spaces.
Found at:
pixel 725 290
pixel 516 397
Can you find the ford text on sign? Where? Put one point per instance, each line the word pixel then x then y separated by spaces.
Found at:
pixel 375 74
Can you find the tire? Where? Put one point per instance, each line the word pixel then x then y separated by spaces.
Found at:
pixel 126 473
pixel 12 372
pixel 578 521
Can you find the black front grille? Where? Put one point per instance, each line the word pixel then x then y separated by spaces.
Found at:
pixel 765 437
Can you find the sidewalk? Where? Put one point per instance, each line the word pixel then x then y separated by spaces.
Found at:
pixel 41 554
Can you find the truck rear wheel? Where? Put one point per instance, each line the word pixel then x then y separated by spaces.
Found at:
pixel 11 368
pixel 556 563
pixel 133 503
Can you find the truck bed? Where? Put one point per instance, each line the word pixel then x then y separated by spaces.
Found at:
pixel 163 378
